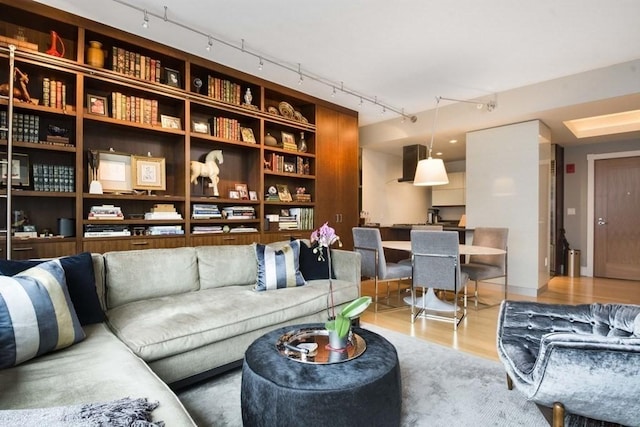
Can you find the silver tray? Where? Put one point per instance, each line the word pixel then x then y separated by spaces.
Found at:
pixel 289 346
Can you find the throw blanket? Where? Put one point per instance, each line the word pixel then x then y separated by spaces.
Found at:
pixel 125 412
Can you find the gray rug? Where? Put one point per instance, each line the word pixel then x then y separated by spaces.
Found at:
pixel 440 387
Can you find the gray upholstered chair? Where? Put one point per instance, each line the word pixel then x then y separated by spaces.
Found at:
pixel 421 227
pixel 368 242
pixel 580 360
pixel 485 267
pixel 436 265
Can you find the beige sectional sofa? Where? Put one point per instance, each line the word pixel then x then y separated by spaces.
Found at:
pixel 173 316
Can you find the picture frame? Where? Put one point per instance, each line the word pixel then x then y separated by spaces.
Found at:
pixel 234 194
pixel 288 138
pixel 170 122
pixel 114 172
pixel 283 193
pixel 242 191
pixel 285 212
pixel 199 126
pixel 247 135
pixel 289 167
pixel 171 77
pixel 149 173
pixel 19 170
pixel 253 195
pixel 97 105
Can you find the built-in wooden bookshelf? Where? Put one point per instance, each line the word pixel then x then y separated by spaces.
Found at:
pixel 152 101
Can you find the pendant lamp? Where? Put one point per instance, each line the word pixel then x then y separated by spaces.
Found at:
pixel 431 171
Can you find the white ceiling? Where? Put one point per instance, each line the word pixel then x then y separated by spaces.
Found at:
pixel 404 53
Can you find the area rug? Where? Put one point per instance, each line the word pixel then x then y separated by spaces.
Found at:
pixel 440 387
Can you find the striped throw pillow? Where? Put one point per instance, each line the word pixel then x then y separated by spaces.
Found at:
pixel 36 314
pixel 278 268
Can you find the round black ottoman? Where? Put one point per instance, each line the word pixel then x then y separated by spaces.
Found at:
pixel 278 391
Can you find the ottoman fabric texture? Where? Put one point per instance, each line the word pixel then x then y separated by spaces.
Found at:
pixel 365 391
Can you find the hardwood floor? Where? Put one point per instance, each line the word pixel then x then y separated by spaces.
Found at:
pixel 477 332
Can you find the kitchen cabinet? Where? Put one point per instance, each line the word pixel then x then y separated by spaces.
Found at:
pixel 451 194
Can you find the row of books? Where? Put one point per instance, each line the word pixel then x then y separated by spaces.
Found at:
pixel 106 230
pixel 223 90
pixel 54 93
pixel 54 178
pixel 158 230
pixel 108 212
pixel 287 164
pixel 26 127
pixel 134 109
pixel 205 211
pixel 239 212
pixel 304 217
pixel 223 127
pixel 134 64
pixel 216 229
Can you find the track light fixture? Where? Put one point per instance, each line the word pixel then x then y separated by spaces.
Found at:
pixel 210 44
pixel 145 22
pixel 262 59
pixel 333 93
pixel 490 105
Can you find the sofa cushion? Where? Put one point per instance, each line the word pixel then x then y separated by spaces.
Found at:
pixel 100 368
pixel 137 275
pixel 36 314
pixel 312 266
pixel 81 284
pixel 278 268
pixel 226 265
pixel 158 328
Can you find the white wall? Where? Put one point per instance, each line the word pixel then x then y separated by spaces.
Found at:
pixel 504 169
pixel 386 200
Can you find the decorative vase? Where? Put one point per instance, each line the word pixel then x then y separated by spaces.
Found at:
pixel 270 140
pixel 95 54
pixel 302 144
pixel 336 342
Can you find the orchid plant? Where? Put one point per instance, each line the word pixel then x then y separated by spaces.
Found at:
pixel 326 236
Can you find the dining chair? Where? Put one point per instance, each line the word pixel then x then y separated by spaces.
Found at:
pixel 368 242
pixel 436 264
pixel 421 227
pixel 485 267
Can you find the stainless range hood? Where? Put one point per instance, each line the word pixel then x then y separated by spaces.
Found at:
pixel 411 155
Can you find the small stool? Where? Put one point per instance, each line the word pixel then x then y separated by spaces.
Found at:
pixel 278 391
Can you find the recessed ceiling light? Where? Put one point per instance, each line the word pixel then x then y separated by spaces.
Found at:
pixel 453 141
pixel 608 124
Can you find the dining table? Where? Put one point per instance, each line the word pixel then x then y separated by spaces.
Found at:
pixel 429 300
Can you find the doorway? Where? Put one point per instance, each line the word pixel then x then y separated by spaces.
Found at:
pixel 613 231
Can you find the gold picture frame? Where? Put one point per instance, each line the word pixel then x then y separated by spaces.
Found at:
pixel 98 105
pixel 247 135
pixel 283 193
pixel 149 173
pixel 170 122
pixel 288 138
pixel 114 172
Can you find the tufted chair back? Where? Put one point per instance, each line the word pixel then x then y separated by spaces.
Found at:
pixel 582 359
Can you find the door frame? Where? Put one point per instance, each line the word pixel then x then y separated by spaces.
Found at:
pixel 591 159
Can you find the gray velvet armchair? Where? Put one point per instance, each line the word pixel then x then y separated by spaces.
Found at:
pixel 577 359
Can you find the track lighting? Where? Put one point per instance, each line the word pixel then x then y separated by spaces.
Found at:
pixel 145 22
pixel 262 59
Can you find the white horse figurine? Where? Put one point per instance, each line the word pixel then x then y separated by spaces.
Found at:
pixel 208 169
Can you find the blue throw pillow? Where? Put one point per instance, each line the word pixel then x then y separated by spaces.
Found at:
pixel 36 314
pixel 278 268
pixel 81 283
pixel 311 267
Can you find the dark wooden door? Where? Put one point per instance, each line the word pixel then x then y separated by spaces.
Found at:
pixel 617 218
